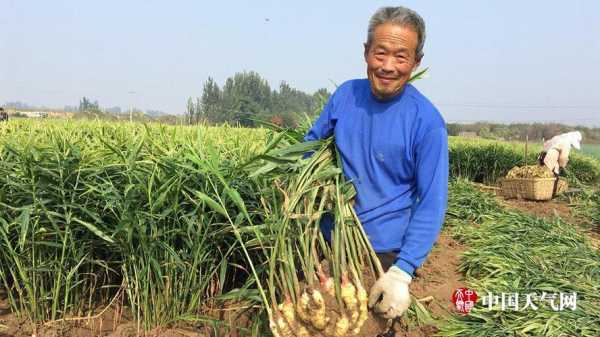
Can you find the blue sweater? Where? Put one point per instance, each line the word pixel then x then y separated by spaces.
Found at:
pixel 395 152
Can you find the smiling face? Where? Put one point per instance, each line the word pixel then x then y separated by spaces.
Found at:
pixel 391 58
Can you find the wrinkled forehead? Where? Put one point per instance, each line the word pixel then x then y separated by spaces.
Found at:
pixel 392 36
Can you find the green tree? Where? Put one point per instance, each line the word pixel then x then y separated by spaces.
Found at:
pixel 453 129
pixel 211 103
pixel 246 96
pixel 86 105
pixel 320 98
pixel 190 110
pixel 198 111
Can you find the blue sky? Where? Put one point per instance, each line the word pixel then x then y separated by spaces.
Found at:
pixel 489 60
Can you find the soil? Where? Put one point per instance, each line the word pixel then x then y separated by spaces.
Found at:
pixel 437 278
pixel 541 209
pixel 108 324
pixel 551 209
pixel 435 282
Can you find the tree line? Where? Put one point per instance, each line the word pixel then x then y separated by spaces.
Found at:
pixel 246 97
pixel 521 131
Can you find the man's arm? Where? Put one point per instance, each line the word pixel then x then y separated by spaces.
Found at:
pixel 324 125
pixel 423 228
pixel 563 157
pixel 432 190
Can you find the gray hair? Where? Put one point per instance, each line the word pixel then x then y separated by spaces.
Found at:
pixel 401 16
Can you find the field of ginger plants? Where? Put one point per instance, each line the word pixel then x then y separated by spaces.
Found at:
pixel 212 231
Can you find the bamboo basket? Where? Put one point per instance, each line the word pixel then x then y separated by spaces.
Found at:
pixel 531 188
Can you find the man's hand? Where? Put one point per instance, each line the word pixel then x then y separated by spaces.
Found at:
pixel 393 286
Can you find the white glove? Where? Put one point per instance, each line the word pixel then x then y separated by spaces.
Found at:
pixel 393 285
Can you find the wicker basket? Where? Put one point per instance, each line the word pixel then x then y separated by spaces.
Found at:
pixel 531 188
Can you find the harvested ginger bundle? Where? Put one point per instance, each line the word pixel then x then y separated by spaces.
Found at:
pixel 530 171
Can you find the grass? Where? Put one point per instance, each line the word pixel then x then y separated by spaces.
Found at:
pixel 591 150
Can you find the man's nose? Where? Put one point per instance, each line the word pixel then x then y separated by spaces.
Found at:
pixel 387 64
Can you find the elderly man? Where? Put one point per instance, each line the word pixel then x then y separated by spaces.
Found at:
pixel 394 148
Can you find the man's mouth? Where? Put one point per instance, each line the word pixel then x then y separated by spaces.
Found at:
pixel 385 80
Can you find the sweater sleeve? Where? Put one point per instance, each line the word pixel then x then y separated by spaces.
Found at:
pixel 432 192
pixel 323 127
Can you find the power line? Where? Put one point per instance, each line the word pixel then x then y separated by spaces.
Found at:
pixel 517 106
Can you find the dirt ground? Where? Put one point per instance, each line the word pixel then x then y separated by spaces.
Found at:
pixel 437 278
pixel 541 209
pixel 106 325
pixel 551 209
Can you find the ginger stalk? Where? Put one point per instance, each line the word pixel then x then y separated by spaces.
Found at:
pixel 326 282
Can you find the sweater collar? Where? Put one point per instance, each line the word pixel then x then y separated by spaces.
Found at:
pixel 393 99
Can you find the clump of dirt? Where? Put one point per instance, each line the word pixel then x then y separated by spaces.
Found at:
pixel 542 209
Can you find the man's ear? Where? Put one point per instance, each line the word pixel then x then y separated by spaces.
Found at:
pixel 417 64
pixel 366 53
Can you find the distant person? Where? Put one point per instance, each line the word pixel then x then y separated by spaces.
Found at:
pixel 556 150
pixel 394 148
pixel 3 115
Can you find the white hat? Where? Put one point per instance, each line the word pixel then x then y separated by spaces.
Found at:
pixel 575 139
